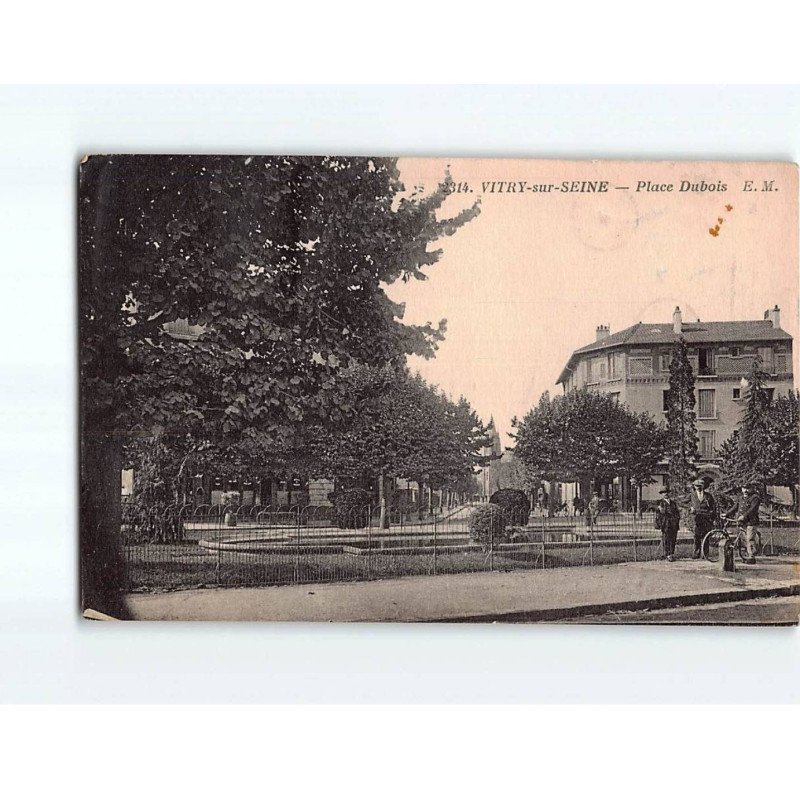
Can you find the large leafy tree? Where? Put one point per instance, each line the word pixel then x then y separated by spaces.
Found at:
pixel 281 262
pixel 681 420
pixel 587 437
pixel 764 449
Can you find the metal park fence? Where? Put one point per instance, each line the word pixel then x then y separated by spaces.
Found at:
pixel 194 546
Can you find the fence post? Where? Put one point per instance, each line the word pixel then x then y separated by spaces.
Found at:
pixel 591 545
pixel 543 545
pixel 491 540
pixel 635 553
pixel 771 539
pixel 296 571
pixel 219 553
pixel 369 541
pixel 434 543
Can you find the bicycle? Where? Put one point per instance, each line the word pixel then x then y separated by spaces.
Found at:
pixel 717 536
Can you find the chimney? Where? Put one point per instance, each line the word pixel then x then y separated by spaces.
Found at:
pixel 601 332
pixel 774 316
pixel 676 320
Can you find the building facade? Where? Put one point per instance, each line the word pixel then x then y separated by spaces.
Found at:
pixel 633 366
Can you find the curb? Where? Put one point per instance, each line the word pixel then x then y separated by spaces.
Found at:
pixel 656 603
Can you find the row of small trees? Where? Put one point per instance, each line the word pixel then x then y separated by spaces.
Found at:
pixel 401 427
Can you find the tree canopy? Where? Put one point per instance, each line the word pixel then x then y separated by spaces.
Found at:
pixel 784 432
pixel 588 436
pixel 764 449
pixel 281 262
pixel 402 427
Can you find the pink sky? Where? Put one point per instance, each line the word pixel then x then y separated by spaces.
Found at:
pixel 529 280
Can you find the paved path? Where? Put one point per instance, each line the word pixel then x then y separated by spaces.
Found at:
pixel 526 595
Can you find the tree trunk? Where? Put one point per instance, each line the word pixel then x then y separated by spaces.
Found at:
pixel 552 492
pixel 102 567
pixel 384 517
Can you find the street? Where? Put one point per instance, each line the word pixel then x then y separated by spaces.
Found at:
pixel 766 611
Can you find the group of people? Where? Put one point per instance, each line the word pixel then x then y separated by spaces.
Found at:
pixel 705 513
pixel 589 509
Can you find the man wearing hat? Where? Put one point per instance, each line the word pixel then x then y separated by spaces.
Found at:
pixel 703 509
pixel 668 518
pixel 747 516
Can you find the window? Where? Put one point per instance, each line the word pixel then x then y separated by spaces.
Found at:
pixel 614 396
pixel 707 407
pixel 665 400
pixel 770 393
pixel 707 443
pixel 663 362
pixel 766 358
pixel 737 394
pixel 640 365
pixel 780 362
pixel 705 361
pixel 615 365
pixel 734 351
pixel 598 369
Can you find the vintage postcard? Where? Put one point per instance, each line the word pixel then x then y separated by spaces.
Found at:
pixel 443 390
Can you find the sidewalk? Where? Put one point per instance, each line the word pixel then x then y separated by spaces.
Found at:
pixel 520 596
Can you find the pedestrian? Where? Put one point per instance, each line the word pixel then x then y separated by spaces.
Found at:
pixel 703 509
pixel 577 504
pixel 747 515
pixel 668 518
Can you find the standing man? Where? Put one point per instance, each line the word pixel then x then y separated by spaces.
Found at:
pixel 747 515
pixel 703 509
pixel 668 518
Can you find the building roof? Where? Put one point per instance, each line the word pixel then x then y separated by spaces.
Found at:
pixel 655 333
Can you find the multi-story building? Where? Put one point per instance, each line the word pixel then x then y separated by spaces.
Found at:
pixel 633 365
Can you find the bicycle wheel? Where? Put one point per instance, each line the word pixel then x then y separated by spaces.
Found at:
pixel 756 546
pixel 711 544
